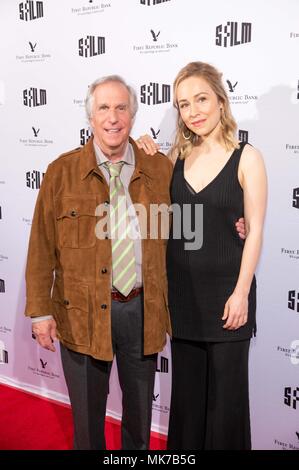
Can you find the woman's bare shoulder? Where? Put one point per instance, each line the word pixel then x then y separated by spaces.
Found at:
pixel 250 156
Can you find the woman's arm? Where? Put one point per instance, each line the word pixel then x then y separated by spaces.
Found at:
pixel 252 177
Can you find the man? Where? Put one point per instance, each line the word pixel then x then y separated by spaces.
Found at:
pixel 101 295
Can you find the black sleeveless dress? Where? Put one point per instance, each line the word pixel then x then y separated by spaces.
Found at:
pixel 201 281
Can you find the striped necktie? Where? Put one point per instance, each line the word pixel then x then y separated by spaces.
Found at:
pixel 123 255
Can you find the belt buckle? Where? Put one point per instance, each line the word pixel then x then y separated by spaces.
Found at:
pixel 121 298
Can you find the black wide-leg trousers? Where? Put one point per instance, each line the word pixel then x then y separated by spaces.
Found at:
pixel 210 399
pixel 87 380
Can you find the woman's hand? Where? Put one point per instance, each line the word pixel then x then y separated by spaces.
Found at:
pixel 241 229
pixel 235 311
pixel 146 143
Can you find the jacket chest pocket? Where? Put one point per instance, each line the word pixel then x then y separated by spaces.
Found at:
pixel 76 221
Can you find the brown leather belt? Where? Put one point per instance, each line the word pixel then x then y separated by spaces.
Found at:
pixel 115 295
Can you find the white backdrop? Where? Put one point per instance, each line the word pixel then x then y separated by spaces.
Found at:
pixel 56 49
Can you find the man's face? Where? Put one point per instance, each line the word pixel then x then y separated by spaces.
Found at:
pixel 111 118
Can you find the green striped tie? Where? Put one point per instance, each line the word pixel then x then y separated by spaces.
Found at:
pixel 123 255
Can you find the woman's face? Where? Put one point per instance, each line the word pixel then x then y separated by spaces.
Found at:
pixel 199 106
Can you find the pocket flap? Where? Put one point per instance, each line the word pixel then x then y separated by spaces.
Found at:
pixel 73 296
pixel 74 207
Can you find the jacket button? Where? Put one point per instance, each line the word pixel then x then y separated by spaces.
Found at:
pixel 66 302
pixel 104 270
pixel 73 213
pixel 103 306
pixel 106 236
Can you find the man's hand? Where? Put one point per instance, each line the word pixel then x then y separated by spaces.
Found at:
pixel 146 143
pixel 45 333
pixel 240 227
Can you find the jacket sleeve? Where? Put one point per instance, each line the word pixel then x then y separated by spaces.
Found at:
pixel 41 259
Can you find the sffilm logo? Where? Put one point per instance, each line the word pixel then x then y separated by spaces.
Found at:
pixel 152 2
pixel 243 135
pixel 30 10
pixel 33 179
pixel 34 97
pixel 293 300
pixel 291 397
pixel 296 198
pixel 85 135
pixel 2 285
pixel 155 93
pixel 228 35
pixel 3 353
pixel 162 365
pixel 91 46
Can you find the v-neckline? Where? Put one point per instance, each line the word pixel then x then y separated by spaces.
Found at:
pixel 195 193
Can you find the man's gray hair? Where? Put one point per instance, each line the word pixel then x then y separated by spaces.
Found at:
pixel 110 78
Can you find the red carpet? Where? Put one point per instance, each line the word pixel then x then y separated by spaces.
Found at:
pixel 32 423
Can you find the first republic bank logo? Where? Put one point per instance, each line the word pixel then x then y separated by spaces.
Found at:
pixel 31 10
pixel 233 34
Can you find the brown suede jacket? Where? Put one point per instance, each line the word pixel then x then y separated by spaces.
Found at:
pixel 68 270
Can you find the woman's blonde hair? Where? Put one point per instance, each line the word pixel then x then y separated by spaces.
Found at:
pixel 185 139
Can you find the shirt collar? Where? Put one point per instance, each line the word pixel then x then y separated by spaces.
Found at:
pixel 128 156
pixel 89 163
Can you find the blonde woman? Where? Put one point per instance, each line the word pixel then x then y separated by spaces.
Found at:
pixel 212 290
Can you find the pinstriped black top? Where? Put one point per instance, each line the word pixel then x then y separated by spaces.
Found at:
pixel 200 281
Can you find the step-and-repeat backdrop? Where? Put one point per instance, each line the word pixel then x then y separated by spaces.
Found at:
pixel 50 51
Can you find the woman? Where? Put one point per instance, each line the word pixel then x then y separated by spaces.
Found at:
pixel 212 290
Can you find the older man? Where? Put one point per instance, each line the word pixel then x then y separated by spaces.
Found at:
pixel 101 291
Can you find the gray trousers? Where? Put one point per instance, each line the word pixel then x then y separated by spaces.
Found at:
pixel 87 380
